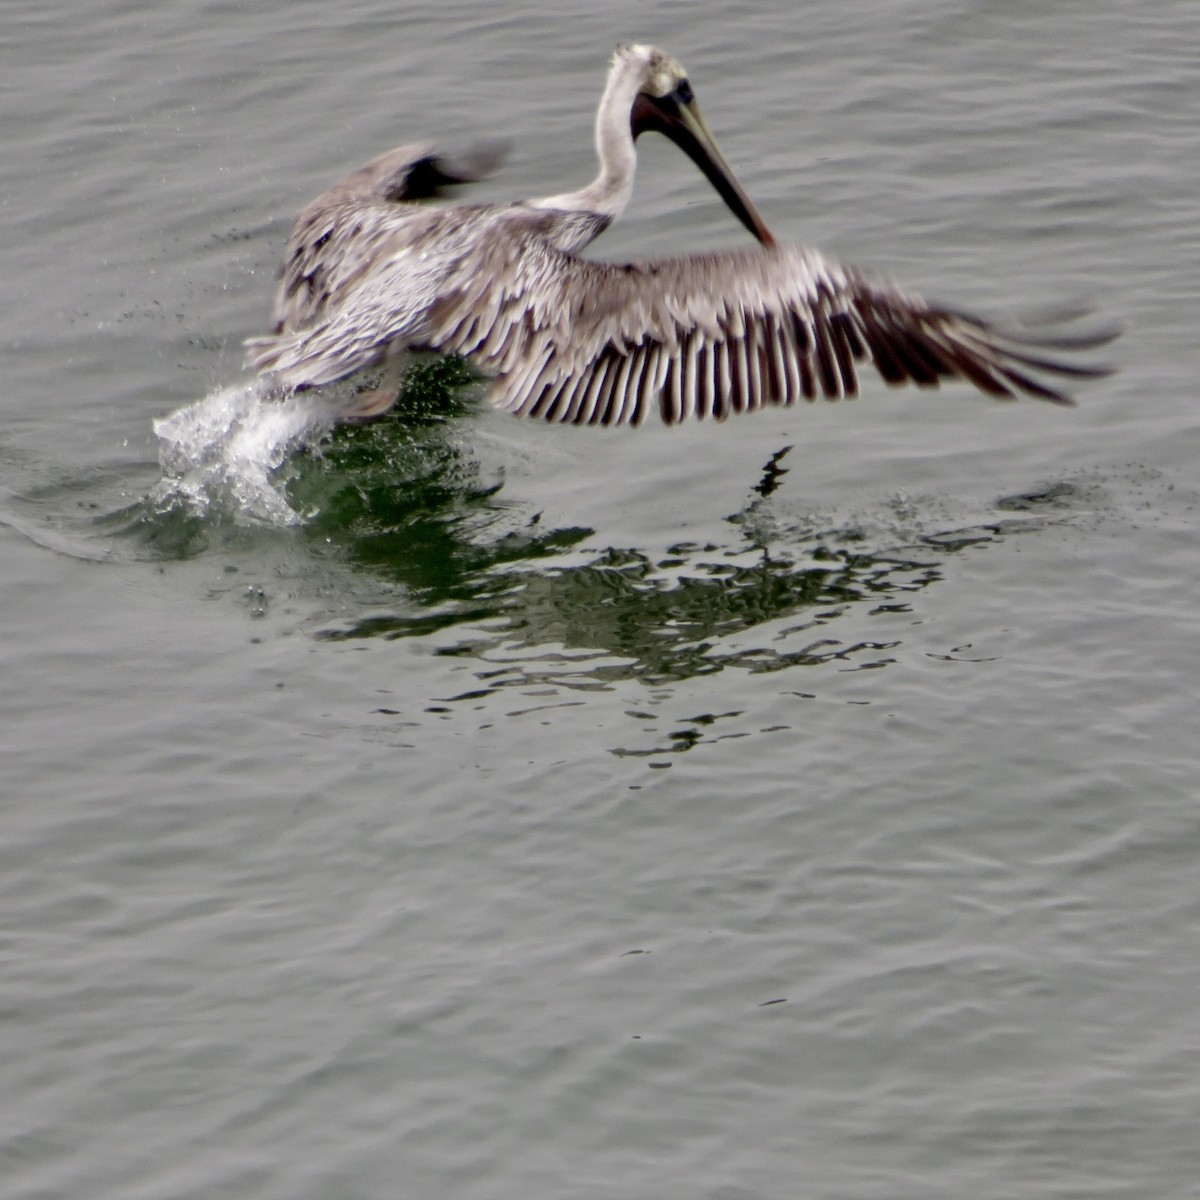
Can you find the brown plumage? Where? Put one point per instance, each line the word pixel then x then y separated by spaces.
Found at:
pixel 369 275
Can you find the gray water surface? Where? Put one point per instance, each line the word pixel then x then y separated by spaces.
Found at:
pixel 805 806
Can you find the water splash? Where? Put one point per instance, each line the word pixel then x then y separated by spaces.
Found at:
pixel 226 451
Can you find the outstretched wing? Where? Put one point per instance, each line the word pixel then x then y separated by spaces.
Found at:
pixel 569 340
pixel 329 246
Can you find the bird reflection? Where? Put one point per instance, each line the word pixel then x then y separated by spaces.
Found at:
pixel 529 611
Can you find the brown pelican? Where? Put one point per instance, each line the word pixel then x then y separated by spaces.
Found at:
pixel 370 275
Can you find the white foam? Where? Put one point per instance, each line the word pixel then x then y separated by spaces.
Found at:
pixel 225 449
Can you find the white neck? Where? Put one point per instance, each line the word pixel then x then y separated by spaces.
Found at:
pixel 609 192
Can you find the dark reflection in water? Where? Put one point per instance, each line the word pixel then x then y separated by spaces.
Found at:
pixel 432 545
pixel 669 620
pixel 405 504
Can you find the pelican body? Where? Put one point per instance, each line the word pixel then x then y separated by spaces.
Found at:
pixel 370 273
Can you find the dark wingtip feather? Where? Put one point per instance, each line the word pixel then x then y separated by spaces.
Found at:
pixel 428 177
pixel 1034 387
pixel 1018 346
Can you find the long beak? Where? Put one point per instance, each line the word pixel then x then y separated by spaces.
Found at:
pixel 677 116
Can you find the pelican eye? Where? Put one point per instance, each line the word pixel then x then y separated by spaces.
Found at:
pixel 684 92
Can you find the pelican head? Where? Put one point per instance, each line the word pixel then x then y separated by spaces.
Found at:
pixel 666 104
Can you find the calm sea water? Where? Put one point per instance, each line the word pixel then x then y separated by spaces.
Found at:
pixel 802 807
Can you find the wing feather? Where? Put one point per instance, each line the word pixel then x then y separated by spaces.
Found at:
pixel 738 330
pixel 831 381
pixel 687 371
pixel 843 354
pixel 565 401
pixel 790 354
pixel 335 239
pixel 722 380
pixel 705 382
pixel 614 411
pixel 567 339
